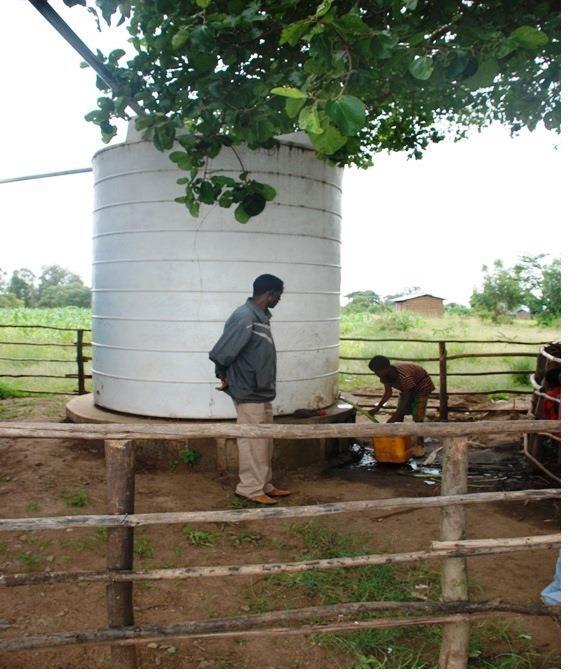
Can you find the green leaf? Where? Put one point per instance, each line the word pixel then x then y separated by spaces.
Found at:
pixel 506 47
pixel 268 192
pixel 180 38
pixel 422 67
pixel 323 8
pixel 223 181
pixel 484 76
pixel 180 199
pixel 328 142
pixel 182 160
pixel 182 180
pixel 349 114
pixel 194 208
pixel 293 106
pixel 253 204
pixel 207 193
pixel 309 120
pixel 410 4
pixel 289 92
pixel 293 32
pixel 529 37
pixel 350 24
pixel 241 214
pixel 203 3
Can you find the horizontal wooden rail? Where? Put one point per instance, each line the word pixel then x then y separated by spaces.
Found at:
pixel 189 430
pixel 448 373
pixel 392 359
pixel 239 515
pixel 440 550
pixel 32 359
pixel 43 326
pixel 492 354
pixel 438 340
pixel 256 625
pixel 51 345
pixel 37 375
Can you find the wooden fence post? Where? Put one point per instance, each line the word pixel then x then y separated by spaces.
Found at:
pixel 454 581
pixel 119 457
pixel 80 363
pixel 443 396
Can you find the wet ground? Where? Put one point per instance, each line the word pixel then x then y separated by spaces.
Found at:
pixel 499 466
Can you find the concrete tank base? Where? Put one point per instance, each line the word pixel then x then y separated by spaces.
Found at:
pixel 218 455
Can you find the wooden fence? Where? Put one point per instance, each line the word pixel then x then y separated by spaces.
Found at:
pixel 455 612
pixel 79 360
pixel 443 359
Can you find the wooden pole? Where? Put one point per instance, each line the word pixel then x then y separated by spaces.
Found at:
pixel 443 397
pixel 80 363
pixel 253 625
pixel 202 430
pixel 119 457
pixel 441 549
pixel 454 645
pixel 240 515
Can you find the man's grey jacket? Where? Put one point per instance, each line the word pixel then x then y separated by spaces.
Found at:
pixel 245 355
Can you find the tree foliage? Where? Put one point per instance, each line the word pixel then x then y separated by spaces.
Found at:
pixel 55 287
pixel 532 282
pixel 359 76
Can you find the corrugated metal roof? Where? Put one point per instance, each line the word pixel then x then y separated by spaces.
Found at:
pixel 415 296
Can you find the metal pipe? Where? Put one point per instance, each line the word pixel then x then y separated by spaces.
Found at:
pixel 39 176
pixel 45 9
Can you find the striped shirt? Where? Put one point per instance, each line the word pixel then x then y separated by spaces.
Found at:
pixel 412 378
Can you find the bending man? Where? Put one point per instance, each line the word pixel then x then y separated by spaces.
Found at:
pixel 414 385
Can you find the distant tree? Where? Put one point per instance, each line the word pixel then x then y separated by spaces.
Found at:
pixel 3 281
pixel 551 290
pixel 72 294
pixel 23 286
pixel 365 300
pixel 8 300
pixel 501 292
pixel 541 284
pixel 531 282
pixel 55 276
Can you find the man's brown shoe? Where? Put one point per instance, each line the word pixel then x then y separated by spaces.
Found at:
pixel 262 499
pixel 276 492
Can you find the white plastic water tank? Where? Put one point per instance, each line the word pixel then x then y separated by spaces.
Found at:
pixel 164 282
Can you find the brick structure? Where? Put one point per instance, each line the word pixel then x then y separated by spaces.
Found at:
pixel 422 304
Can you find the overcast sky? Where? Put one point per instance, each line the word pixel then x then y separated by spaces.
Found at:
pixel 431 223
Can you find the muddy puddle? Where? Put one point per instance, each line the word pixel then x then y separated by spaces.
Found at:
pixel 499 467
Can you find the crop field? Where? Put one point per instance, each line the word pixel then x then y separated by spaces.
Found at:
pixel 408 326
pixel 48 344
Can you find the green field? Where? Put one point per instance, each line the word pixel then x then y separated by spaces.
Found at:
pixel 356 325
pixel 407 326
pixel 62 348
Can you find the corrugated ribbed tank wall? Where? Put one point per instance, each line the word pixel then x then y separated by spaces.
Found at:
pixel 164 282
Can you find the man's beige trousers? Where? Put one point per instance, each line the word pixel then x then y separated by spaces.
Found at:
pixel 255 455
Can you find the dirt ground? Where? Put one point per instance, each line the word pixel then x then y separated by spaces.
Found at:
pixel 40 478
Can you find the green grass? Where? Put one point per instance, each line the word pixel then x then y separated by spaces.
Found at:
pixel 76 498
pixel 199 537
pixel 493 645
pixel 367 325
pixel 190 457
pixel 143 547
pixel 70 317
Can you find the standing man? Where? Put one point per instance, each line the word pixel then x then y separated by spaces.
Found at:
pixel 245 361
pixel 414 385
